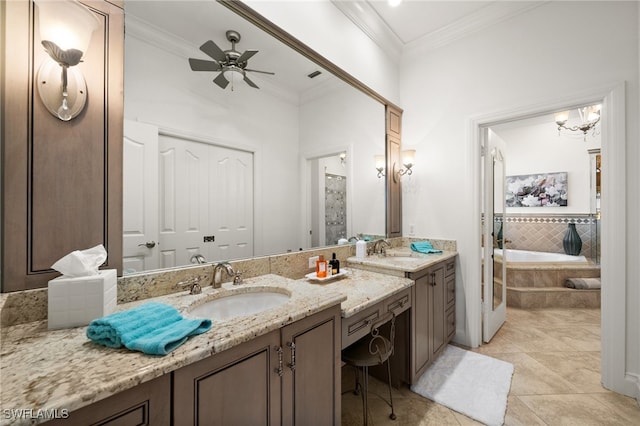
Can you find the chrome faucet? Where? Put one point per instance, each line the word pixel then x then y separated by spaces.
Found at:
pixel 217 274
pixel 379 246
pixel 198 258
pixel 193 284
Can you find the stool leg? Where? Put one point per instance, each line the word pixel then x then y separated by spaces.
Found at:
pixel 357 386
pixel 392 416
pixel 365 394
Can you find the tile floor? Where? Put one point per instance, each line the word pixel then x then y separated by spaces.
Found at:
pixel 556 380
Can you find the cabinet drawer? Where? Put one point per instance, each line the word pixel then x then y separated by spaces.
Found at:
pixel 359 325
pixel 450 286
pixel 398 303
pixel 451 321
pixel 450 267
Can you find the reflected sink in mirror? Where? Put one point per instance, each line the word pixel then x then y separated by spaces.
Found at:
pixel 234 304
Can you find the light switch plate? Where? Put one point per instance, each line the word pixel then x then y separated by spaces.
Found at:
pixel 313 260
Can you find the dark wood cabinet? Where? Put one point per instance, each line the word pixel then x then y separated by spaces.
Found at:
pixel 146 404
pixel 61 181
pixel 288 377
pixel 394 163
pixel 237 386
pixel 433 314
pixel 311 381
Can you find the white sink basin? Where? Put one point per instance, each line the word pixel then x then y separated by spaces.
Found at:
pixel 239 304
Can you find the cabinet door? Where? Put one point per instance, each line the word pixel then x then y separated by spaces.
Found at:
pixel 311 381
pixel 146 404
pixel 437 308
pixel 421 325
pixel 239 386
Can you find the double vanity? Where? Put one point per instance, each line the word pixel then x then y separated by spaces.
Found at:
pixel 277 364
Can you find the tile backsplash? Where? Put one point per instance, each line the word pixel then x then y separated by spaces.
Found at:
pixel 31 305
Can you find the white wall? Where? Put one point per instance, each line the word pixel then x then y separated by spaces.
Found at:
pixel 532 57
pixel 321 26
pixel 357 126
pixel 537 148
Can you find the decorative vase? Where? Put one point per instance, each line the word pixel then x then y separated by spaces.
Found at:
pixel 571 242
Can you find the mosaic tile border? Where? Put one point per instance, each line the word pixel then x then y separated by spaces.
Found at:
pixel 578 219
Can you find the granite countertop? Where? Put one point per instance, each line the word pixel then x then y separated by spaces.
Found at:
pixel 361 287
pixel 62 369
pixel 398 261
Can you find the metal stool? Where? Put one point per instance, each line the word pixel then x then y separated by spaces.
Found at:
pixel 368 352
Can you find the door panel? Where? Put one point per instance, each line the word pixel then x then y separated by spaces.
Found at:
pixel 140 197
pixel 206 194
pixel 494 294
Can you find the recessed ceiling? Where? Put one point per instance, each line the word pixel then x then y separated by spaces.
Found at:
pixel 412 20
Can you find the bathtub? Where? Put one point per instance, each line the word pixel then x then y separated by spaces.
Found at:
pixel 536 279
pixel 537 256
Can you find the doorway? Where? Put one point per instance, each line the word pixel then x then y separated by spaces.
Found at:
pixel 613 221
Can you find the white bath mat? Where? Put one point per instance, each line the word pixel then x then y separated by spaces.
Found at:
pixel 469 383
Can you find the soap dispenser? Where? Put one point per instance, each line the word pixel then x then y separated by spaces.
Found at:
pixel 335 265
pixel 361 249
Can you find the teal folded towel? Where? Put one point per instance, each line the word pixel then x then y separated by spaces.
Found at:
pixel 153 328
pixel 424 247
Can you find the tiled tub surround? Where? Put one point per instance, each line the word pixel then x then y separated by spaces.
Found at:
pixel 27 306
pixel 56 369
pixel 541 285
pixel 544 232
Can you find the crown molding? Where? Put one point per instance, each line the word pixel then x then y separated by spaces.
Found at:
pixel 364 16
pixel 488 16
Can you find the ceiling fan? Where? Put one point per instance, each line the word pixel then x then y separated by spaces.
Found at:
pixel 230 62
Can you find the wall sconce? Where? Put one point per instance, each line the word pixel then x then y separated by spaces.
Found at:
pixel 589 117
pixel 408 157
pixel 66 27
pixel 408 161
pixel 380 164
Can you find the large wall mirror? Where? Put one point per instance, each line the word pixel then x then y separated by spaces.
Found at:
pixel 214 173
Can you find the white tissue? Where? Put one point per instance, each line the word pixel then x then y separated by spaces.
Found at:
pixel 81 263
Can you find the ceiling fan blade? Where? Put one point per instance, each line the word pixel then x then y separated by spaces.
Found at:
pixel 221 81
pixel 263 72
pixel 212 49
pixel 246 55
pixel 202 65
pixel 250 83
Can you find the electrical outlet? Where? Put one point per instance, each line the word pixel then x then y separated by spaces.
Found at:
pixel 411 229
pixel 313 260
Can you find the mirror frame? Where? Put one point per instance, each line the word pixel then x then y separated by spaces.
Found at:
pixel 393 190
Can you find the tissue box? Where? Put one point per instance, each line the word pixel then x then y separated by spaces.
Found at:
pixel 75 302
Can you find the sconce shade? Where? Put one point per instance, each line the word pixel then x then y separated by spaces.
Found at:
pixel 408 156
pixel 562 116
pixel 380 161
pixel 67 24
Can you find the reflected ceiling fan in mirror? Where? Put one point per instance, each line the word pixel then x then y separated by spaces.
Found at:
pixel 230 63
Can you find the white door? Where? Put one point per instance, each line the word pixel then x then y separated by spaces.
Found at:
pixel 230 203
pixel 206 202
pixel 495 289
pixel 140 197
pixel 183 189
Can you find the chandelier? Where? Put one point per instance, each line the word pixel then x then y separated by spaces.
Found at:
pixel 589 117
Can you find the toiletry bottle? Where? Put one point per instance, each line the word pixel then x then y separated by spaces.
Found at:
pixel 320 259
pixel 321 269
pixel 335 265
pixel 361 249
